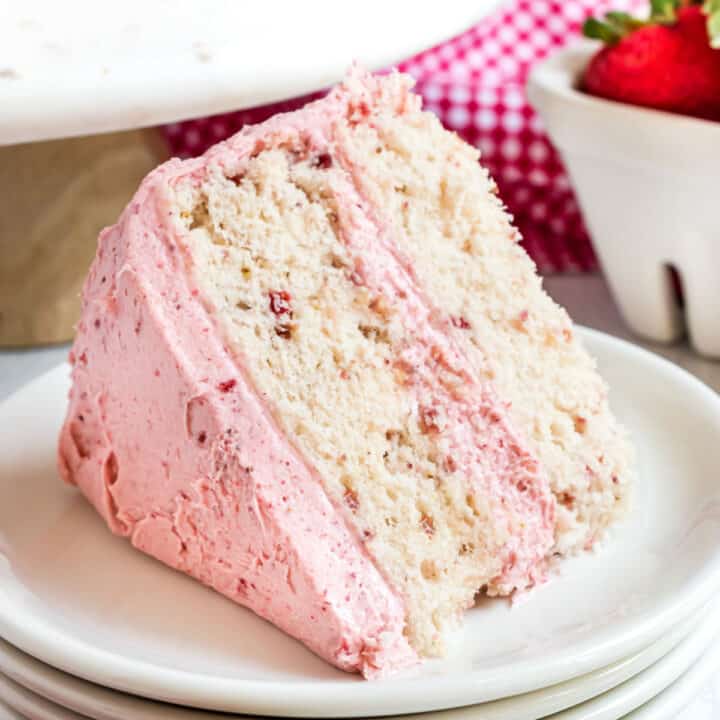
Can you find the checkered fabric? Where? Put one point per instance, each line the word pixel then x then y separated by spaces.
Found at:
pixel 475 83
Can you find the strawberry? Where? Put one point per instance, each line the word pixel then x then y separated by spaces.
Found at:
pixel 671 61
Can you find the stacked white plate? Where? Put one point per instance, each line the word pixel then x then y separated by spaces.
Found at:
pixel 94 629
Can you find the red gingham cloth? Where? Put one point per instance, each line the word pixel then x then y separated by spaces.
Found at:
pixel 475 83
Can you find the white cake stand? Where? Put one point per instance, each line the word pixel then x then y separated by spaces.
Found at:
pixel 81 68
pixel 72 72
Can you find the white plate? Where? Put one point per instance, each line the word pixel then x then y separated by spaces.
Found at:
pixel 101 703
pixel 29 705
pixel 697 652
pixel 93 700
pixel 84 601
pixel 680 700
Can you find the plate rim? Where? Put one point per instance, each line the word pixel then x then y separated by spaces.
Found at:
pixel 676 695
pixel 44 680
pixel 231 694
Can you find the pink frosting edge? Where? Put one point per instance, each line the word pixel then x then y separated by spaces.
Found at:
pixel 286 554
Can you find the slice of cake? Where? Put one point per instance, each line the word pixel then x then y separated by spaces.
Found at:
pixel 316 372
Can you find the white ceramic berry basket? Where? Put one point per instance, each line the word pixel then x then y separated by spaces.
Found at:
pixel 648 183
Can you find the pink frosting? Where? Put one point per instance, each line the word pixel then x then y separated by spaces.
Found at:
pixel 456 404
pixel 167 438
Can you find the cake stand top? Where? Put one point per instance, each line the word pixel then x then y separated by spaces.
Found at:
pixel 80 68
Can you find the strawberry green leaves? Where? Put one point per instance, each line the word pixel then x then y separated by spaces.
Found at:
pixel 712 10
pixel 663 11
pixel 623 21
pixel 616 25
pixel 599 30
